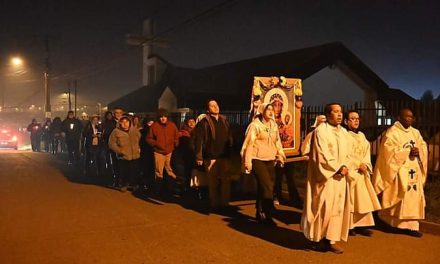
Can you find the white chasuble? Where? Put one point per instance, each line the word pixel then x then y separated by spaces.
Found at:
pixel 363 198
pixel 401 178
pixel 327 206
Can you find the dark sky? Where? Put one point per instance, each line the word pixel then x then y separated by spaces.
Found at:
pixel 398 40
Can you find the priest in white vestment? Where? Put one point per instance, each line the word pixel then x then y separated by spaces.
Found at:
pixel 326 213
pixel 400 174
pixel 363 198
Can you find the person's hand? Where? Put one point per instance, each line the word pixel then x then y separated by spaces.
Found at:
pixel 414 152
pixel 247 169
pixel 363 168
pixel 199 162
pixel 279 161
pixel 338 176
pixel 343 171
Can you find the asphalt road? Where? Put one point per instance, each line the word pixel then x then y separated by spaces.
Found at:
pixel 51 214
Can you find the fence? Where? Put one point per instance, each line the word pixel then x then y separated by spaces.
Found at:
pixel 376 118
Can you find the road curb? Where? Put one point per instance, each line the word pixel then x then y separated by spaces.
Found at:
pixel 425 226
pixel 429 227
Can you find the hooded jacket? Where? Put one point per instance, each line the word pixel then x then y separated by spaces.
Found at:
pixel 125 143
pixel 163 137
pixel 262 142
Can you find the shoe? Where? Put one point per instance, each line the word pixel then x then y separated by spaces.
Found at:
pixel 321 246
pixel 335 249
pixel 364 232
pixel 351 232
pixel 413 233
pixel 269 222
pixel 132 188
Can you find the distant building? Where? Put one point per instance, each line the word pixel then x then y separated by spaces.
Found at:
pixel 330 73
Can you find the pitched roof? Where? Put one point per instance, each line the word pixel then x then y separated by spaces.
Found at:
pixel 231 83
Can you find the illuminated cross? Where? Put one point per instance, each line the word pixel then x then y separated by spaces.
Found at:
pixel 411 173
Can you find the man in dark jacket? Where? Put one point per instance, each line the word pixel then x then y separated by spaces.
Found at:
pixel 163 137
pixel 94 156
pixel 35 129
pixel 72 129
pixel 213 141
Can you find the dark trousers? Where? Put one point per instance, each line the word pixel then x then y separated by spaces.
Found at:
pixel 57 142
pixel 36 143
pixel 264 172
pixel 288 172
pixel 129 172
pixel 47 143
pixel 95 158
pixel 114 162
pixel 73 149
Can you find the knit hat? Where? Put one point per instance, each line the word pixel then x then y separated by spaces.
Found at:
pixel 162 112
pixel 125 117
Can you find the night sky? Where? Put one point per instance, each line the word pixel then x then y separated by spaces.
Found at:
pixel 398 40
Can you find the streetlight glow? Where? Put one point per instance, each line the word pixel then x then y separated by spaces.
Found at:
pixel 16 61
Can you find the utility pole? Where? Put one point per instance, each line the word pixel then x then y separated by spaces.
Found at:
pixel 3 97
pixel 47 108
pixel 99 110
pixel 68 94
pixel 76 85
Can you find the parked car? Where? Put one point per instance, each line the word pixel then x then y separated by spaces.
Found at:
pixel 8 139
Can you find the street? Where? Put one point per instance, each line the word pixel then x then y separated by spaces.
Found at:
pixel 52 214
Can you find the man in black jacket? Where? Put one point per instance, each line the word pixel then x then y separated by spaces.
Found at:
pixel 35 129
pixel 213 142
pixel 72 129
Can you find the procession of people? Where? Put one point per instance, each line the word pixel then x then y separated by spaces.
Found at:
pixel 345 195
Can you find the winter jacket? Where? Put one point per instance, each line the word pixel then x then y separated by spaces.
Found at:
pixel 163 137
pixel 125 143
pixel 262 142
pixel 208 142
pixel 90 133
pixel 73 128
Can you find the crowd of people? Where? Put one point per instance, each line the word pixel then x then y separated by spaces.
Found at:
pixel 343 189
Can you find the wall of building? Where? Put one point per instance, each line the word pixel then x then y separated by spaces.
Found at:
pixel 168 100
pixel 331 85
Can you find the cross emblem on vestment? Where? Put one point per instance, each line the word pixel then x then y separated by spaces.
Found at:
pixel 412 143
pixel 411 173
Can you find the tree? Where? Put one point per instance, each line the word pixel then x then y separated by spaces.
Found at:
pixel 427 96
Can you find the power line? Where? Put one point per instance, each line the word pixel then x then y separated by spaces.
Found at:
pixel 88 71
pixel 198 16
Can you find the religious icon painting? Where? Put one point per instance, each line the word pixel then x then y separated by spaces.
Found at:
pixel 285 96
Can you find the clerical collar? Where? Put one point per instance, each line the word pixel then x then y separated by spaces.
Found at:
pixel 335 126
pixel 399 125
pixel 214 116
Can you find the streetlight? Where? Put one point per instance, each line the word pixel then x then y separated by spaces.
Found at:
pixel 16 62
